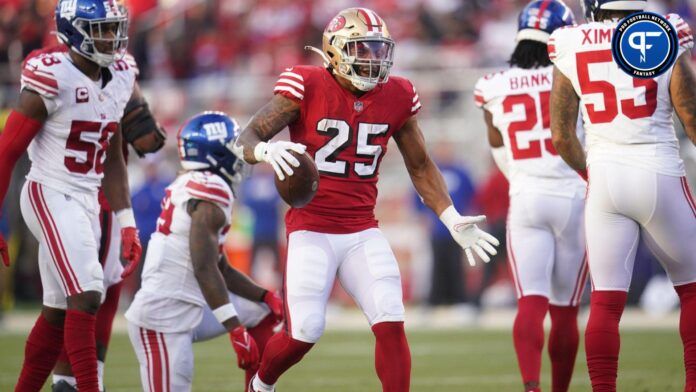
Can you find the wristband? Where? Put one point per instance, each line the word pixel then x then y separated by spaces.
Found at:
pixel 125 218
pixel 260 151
pixel 450 216
pixel 225 312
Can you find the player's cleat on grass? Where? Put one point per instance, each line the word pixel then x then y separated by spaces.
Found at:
pixel 63 386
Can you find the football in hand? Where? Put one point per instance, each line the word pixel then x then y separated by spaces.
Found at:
pixel 299 189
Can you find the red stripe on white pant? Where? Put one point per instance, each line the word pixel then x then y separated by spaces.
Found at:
pixel 53 240
pixel 580 282
pixel 515 272
pixel 157 360
pixel 687 193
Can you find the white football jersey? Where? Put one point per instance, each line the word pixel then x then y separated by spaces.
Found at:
pixel 168 281
pixel 69 152
pixel 518 100
pixel 627 120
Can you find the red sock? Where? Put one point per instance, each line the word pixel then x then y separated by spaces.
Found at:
pixel 281 353
pixel 392 356
pixel 106 314
pixel 40 354
pixel 687 330
pixel 602 339
pixel 563 345
pixel 528 337
pixel 261 334
pixel 82 349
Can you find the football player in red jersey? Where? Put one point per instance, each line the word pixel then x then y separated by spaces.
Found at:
pixel 343 115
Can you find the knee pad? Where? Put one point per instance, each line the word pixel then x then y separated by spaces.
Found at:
pixel 388 301
pixel 311 328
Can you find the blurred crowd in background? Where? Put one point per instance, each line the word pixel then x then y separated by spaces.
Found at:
pixel 225 54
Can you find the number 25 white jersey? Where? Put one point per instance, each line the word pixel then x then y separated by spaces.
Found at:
pixel 68 153
pixel 627 120
pixel 518 100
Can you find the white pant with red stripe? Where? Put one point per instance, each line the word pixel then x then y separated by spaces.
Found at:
pixel 166 359
pixel 365 266
pixel 68 231
pixel 626 203
pixel 546 247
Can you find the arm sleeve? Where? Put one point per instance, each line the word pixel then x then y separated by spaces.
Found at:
pixel 415 101
pixel 40 79
pixel 479 98
pixel 684 33
pixel 557 55
pixel 210 189
pixel 290 84
pixel 14 140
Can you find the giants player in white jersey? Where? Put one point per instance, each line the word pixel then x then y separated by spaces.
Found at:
pixel 546 244
pixel 184 272
pixel 69 109
pixel 637 185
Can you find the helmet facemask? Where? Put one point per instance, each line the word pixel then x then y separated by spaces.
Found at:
pixel 105 40
pixel 365 61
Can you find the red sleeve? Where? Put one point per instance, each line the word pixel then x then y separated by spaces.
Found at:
pixel 209 192
pixel 290 84
pixel 14 140
pixel 415 102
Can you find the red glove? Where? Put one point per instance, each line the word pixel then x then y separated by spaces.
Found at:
pixel 245 346
pixel 583 174
pixel 275 303
pixel 3 252
pixel 131 250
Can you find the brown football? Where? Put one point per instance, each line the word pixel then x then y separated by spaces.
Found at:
pixel 299 189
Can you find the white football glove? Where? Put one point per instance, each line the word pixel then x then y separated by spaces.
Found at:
pixel 279 156
pixel 464 230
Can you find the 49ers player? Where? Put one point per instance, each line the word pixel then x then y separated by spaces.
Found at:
pixel 637 184
pixel 344 114
pixel 546 242
pixel 68 116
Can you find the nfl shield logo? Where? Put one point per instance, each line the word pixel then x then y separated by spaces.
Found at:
pixel 358 106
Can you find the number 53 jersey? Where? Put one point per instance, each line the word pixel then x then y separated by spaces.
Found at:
pixel 627 120
pixel 518 100
pixel 68 153
pixel 347 136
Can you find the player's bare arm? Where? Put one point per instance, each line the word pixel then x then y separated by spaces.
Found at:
pixel 206 222
pixel 564 117
pixel 495 140
pixel 425 175
pixel 682 89
pixel 115 182
pixel 240 284
pixel 252 144
pixel 431 186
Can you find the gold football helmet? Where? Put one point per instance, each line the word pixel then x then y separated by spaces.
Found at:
pixel 357 46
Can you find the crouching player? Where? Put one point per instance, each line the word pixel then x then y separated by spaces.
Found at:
pixel 184 272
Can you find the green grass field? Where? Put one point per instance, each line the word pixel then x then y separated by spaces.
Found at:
pixel 442 361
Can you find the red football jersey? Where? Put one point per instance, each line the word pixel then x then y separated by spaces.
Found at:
pixel 347 137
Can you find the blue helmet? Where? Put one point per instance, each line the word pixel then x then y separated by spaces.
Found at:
pixel 203 146
pixel 592 6
pixel 95 29
pixel 541 17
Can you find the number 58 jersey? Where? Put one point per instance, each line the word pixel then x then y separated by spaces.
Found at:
pixel 68 153
pixel 347 136
pixel 627 120
pixel 518 100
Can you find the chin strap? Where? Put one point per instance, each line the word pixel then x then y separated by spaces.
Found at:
pixel 327 62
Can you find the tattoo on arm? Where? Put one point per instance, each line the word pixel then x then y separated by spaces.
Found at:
pixel 267 122
pixel 682 90
pixel 564 119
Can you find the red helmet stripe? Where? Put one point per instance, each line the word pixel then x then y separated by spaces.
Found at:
pixel 542 9
pixel 371 19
